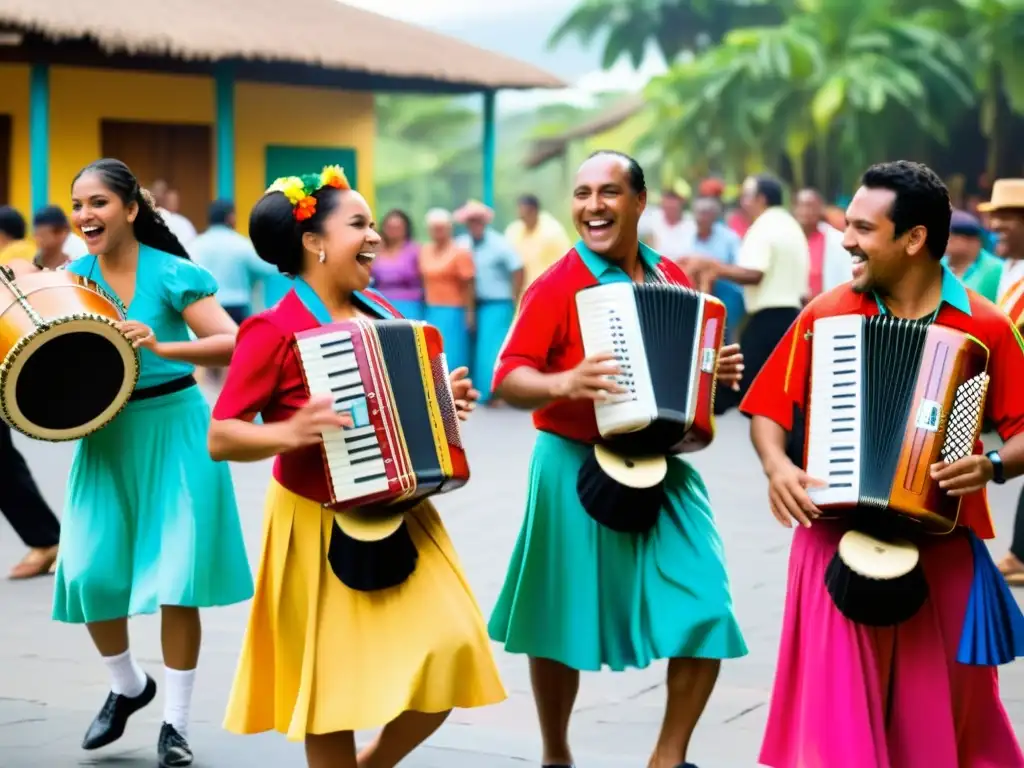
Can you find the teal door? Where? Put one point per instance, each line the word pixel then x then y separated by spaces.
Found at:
pixel 296 161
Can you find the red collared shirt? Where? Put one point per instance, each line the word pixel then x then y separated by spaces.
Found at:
pixel 546 334
pixel 265 377
pixel 782 383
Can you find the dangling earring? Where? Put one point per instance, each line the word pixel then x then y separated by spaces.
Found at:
pixel 323 256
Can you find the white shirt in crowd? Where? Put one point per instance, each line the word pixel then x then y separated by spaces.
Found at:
pixel 179 225
pixel 837 265
pixel 1013 271
pixel 776 246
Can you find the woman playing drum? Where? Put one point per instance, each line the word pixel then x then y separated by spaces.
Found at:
pixel 150 520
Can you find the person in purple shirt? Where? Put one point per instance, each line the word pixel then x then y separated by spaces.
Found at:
pixel 396 269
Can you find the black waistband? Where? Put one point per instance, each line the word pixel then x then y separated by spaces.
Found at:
pixel 167 388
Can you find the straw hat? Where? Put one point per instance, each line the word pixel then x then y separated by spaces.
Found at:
pixel 474 209
pixel 1006 193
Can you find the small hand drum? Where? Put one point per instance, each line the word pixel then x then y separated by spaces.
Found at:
pixel 624 493
pixel 66 371
pixel 876 582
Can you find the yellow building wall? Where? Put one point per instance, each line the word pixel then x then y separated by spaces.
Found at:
pixel 298 117
pixel 81 98
pixel 265 115
pixel 14 89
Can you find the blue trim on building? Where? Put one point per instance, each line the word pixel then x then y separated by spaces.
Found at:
pixel 39 136
pixel 490 148
pixel 224 84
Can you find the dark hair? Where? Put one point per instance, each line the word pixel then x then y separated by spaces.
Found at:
pixel 12 223
pixel 149 226
pixel 633 170
pixel 396 212
pixel 770 188
pixel 530 201
pixel 51 216
pixel 277 234
pixel 922 200
pixel 220 212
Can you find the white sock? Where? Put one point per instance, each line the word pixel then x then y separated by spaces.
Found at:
pixel 178 698
pixel 126 677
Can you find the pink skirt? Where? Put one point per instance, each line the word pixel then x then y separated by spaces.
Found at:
pixel 831 703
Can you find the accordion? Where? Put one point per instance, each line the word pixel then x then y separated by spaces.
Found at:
pixel 405 444
pixel 888 398
pixel 665 339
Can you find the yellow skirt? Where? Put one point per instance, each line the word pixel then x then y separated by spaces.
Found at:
pixel 320 657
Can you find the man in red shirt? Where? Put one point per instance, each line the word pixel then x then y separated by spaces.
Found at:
pixel 580 595
pixel 847 695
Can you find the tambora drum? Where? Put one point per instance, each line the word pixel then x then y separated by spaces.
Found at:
pixel 66 370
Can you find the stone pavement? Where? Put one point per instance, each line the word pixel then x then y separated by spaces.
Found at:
pixel 51 682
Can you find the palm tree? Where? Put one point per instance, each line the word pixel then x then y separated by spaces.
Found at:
pixel 673 26
pixel 838 85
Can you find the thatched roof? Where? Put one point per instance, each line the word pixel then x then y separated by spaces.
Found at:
pixel 550 147
pixel 322 33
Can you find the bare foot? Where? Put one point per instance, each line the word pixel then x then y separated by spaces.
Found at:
pixel 36 563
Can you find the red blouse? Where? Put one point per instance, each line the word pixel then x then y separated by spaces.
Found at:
pixel 546 336
pixel 782 382
pixel 265 378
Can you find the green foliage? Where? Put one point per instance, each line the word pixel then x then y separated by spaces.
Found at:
pixel 840 84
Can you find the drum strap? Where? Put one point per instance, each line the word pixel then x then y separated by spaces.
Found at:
pixel 167 388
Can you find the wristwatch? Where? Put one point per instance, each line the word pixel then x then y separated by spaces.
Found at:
pixel 998 477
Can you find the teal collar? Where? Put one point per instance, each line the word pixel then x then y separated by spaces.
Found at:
pixel 953 293
pixel 316 306
pixel 604 270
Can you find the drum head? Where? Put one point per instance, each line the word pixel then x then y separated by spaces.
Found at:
pixel 632 471
pixel 875 558
pixel 367 526
pixel 68 379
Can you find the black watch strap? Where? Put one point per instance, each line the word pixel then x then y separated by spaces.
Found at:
pixel 998 475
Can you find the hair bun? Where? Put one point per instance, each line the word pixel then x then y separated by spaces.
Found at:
pixel 274 233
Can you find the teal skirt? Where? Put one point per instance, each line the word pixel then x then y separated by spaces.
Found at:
pixel 589 597
pixel 150 519
pixel 451 322
pixel 493 319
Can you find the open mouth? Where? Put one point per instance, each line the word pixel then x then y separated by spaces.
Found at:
pixel 598 225
pixel 366 258
pixel 858 258
pixel 92 231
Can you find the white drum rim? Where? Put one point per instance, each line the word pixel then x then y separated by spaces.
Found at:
pixel 875 559
pixel 14 362
pixel 645 472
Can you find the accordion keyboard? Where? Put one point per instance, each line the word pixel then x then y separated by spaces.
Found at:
pixel 834 428
pixel 352 454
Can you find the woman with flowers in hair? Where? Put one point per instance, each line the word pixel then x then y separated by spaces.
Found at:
pixel 322 659
pixel 150 521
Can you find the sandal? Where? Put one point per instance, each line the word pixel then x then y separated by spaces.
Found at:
pixel 38 562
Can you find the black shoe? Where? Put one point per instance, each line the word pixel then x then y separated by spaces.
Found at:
pixel 109 724
pixel 172 749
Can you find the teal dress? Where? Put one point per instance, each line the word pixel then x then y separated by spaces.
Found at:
pixel 590 597
pixel 149 518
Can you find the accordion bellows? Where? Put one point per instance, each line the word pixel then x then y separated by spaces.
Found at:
pixel 666 339
pixel 405 445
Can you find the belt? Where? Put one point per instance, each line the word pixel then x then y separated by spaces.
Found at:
pixel 167 388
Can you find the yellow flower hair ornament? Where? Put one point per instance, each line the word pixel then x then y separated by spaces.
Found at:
pixel 300 189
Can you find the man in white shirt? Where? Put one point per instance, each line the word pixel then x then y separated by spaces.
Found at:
pixel 168 201
pixel 773 267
